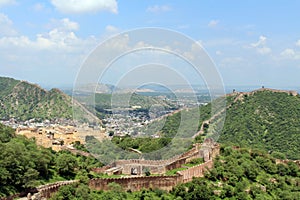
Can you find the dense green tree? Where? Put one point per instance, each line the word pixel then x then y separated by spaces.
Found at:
pixel 66 164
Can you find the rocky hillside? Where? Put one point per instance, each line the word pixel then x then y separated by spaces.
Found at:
pixel 23 100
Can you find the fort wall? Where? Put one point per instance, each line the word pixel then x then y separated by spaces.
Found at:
pixel 147 182
pixel 195 171
pixel 207 151
pixel 46 191
pixel 41 192
pixel 137 183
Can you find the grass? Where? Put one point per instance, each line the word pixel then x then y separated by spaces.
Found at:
pixel 194 162
pixel 173 171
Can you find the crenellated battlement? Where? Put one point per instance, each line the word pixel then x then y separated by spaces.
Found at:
pixel 45 191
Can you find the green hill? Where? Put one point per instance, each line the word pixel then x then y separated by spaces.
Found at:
pixel 265 119
pixel 23 101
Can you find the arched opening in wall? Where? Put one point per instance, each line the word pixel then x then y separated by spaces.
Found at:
pixel 133 171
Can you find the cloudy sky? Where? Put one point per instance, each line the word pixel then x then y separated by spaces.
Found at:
pixel 250 42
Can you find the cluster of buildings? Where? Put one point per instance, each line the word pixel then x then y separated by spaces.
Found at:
pixel 57 134
pixel 33 123
pixel 130 122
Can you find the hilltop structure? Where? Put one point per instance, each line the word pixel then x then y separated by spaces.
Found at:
pixel 290 92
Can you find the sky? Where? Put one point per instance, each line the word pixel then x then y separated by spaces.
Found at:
pixel 250 42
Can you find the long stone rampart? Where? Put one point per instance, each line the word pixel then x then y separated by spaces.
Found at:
pixel 207 151
pixel 162 182
pixel 41 192
pixel 137 183
pixel 45 191
pixel 195 171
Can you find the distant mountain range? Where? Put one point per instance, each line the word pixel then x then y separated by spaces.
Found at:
pixel 22 100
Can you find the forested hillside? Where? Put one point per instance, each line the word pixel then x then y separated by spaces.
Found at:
pixel 265 119
pixel 22 100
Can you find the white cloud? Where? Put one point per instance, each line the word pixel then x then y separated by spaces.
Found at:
pixel 61 37
pixel 64 24
pixel 298 43
pixel 111 29
pixel 261 41
pixel 6 2
pixel 159 8
pixel 261 46
pixel 6 28
pixel 264 50
pixel 213 23
pixel 290 54
pixel 86 6
pixel 54 55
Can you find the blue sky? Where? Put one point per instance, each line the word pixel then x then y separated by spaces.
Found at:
pixel 251 42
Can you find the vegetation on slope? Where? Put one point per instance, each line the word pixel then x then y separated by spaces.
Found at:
pixel 237 174
pixel 22 100
pixel 141 144
pixel 266 120
pixel 23 165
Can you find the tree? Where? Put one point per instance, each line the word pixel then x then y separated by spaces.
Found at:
pixel 6 133
pixel 82 192
pixel 66 164
pixel 66 192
